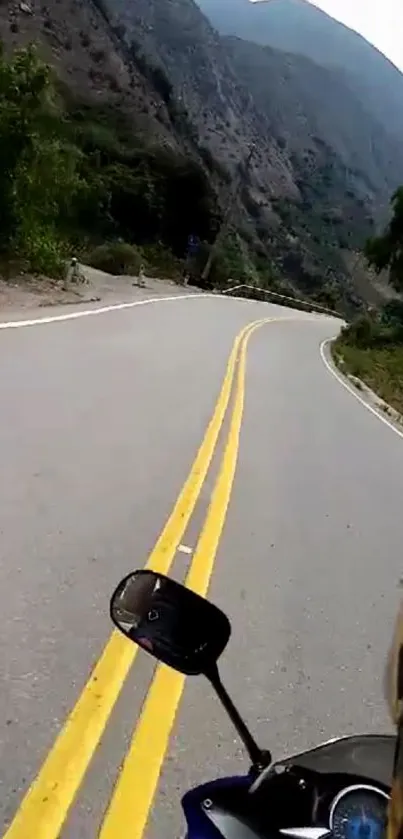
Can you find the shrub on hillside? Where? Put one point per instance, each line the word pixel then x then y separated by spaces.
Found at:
pixel 366 332
pixel 116 258
pixel 42 250
pixel 362 332
pixel 392 317
pixel 161 262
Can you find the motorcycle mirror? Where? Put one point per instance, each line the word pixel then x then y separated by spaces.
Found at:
pixel 171 622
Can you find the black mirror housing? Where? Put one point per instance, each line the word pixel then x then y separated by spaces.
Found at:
pixel 171 622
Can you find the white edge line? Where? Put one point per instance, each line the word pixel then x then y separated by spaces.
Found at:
pixel 351 390
pixel 84 313
pixel 115 307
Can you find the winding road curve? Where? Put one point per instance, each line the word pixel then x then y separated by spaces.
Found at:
pixel 101 419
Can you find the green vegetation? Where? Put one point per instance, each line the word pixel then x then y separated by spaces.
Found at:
pixel 381 369
pixel 120 258
pixel 116 258
pixel 39 177
pixel 74 176
pixel 386 251
pixel 371 347
pixel 161 262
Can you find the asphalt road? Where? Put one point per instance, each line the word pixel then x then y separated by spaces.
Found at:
pixel 101 418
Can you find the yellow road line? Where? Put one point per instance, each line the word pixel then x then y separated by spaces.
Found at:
pixel 204 556
pixel 48 800
pixel 134 792
pixel 166 546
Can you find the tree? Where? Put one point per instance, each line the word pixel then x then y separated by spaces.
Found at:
pixel 386 251
pixel 22 90
pixel 38 168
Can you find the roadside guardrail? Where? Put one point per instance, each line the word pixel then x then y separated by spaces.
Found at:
pixel 255 293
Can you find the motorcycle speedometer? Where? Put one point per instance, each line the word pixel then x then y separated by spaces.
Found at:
pixel 359 812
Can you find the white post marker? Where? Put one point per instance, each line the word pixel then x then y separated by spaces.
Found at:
pixel 142 281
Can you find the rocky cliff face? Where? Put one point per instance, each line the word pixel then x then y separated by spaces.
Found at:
pixel 76 38
pixel 322 166
pixel 299 27
pixel 180 39
pixel 237 94
pixel 305 103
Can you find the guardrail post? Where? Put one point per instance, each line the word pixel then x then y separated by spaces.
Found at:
pixel 73 271
pixel 141 278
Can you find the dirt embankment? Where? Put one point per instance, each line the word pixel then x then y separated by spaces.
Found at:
pixel 26 292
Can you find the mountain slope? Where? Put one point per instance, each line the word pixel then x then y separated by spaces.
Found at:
pixel 305 102
pixel 176 36
pixel 297 26
pixel 308 197
pixel 140 172
pixel 75 38
pixel 309 191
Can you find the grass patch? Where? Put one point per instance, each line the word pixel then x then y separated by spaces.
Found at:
pixel 380 368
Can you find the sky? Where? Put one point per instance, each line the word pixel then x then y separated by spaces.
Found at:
pixel 379 21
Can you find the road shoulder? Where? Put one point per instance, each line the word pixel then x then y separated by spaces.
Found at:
pixel 367 397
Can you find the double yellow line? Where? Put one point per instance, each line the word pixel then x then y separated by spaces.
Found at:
pixel 48 800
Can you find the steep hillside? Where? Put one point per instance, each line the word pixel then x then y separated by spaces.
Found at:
pixel 299 27
pixel 129 165
pixel 306 103
pixel 178 38
pixel 310 190
pixel 77 40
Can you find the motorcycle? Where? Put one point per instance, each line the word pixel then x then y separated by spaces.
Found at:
pixel 340 788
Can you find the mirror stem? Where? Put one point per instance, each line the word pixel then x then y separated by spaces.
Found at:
pixel 260 759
